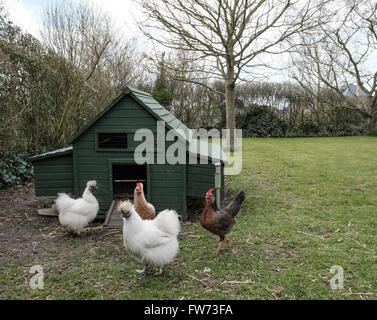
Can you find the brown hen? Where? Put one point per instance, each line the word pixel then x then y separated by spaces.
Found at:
pixel 145 209
pixel 220 222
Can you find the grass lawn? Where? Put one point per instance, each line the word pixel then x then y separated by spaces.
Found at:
pixel 311 204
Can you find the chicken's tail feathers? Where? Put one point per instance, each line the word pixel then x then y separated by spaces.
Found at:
pixel 168 222
pixel 63 202
pixel 235 205
pixel 240 197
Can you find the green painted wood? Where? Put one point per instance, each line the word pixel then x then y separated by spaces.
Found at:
pixel 184 194
pixel 94 175
pixel 75 170
pixel 52 191
pixel 53 174
pixel 166 168
pixel 130 127
pixel 146 102
pixel 101 183
pixel 206 172
pixel 54 161
pixel 170 184
pixel 166 191
pixel 62 184
pixel 171 177
pixel 123 121
pixel 201 178
pixel 89 168
pixel 168 187
pixel 52 169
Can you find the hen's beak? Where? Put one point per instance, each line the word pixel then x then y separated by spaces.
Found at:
pixel 125 215
pixel 92 188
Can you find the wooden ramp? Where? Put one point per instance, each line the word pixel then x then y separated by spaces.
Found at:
pixel 113 219
pixel 51 212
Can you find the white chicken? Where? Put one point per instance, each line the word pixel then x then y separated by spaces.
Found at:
pixel 155 241
pixel 75 214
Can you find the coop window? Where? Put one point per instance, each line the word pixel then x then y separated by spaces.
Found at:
pixel 112 140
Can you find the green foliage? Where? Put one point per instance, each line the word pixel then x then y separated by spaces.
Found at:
pixel 164 97
pixel 263 121
pixel 375 132
pixel 15 169
pixel 161 91
pixel 260 122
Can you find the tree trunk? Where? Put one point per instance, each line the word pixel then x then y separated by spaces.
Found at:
pixel 230 101
pixel 370 120
pixel 369 126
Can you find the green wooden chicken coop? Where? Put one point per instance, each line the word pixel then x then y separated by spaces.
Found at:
pixel 104 151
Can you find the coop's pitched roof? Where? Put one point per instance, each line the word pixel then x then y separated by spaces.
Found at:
pixel 151 105
pixel 54 153
pixel 204 149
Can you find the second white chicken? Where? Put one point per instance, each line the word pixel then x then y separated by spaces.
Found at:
pixel 155 241
pixel 75 214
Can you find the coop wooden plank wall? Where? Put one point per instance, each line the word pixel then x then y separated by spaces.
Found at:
pixel 200 178
pixel 53 175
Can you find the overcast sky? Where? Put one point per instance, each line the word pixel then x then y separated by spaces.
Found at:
pixel 27 14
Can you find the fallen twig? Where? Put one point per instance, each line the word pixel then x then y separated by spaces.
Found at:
pixel 192 277
pixel 190 235
pixel 361 293
pixel 112 232
pixel 236 282
pixel 52 234
pixel 91 229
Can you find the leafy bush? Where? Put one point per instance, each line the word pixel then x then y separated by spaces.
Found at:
pixel 15 169
pixel 374 132
pixel 262 121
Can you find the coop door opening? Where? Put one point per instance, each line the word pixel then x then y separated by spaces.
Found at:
pixel 125 177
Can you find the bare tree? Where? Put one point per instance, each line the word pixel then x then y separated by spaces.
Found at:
pixel 87 37
pixel 229 35
pixel 338 57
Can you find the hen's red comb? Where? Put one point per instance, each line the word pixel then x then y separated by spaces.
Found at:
pixel 138 184
pixel 209 192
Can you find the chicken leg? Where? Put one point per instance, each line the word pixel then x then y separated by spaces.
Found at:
pixel 160 271
pixel 227 240
pixel 218 248
pixel 143 273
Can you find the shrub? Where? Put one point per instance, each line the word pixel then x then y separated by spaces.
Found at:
pixel 262 121
pixel 374 132
pixel 15 169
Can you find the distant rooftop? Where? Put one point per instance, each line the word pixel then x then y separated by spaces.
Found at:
pixel 352 91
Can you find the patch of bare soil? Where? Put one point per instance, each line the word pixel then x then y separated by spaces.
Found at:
pixel 28 238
